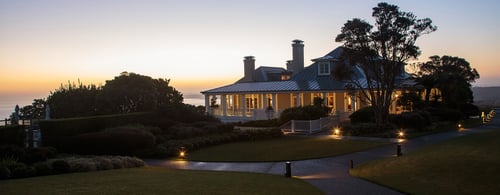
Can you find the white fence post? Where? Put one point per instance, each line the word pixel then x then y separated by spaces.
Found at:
pixel 293 126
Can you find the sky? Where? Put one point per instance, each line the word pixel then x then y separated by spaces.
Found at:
pixel 200 45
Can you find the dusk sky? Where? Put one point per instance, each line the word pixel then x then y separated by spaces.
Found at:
pixel 201 44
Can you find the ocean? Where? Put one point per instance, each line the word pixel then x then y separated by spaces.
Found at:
pixel 9 101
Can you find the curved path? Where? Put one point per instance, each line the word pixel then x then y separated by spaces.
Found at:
pixel 331 175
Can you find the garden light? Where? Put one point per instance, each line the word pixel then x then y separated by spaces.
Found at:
pixel 401 134
pixel 336 131
pixel 182 152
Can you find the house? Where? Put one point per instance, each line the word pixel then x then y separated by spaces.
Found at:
pixel 263 93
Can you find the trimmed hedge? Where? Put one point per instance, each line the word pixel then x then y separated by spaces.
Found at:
pixel 171 147
pixel 366 129
pixel 303 113
pixel 126 140
pixel 363 115
pixel 12 135
pixel 56 131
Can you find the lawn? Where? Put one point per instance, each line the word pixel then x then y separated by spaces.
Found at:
pixel 157 180
pixel 465 165
pixel 282 149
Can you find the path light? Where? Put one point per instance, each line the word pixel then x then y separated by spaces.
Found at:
pixel 401 134
pixel 182 152
pixel 336 131
pixel 459 125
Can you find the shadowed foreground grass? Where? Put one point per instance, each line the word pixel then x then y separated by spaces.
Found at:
pixel 465 165
pixel 282 149
pixel 157 180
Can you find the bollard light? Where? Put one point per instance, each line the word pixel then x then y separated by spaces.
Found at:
pixel 182 152
pixel 336 131
pixel 401 134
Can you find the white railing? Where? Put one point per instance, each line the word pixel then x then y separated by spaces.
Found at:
pixel 309 126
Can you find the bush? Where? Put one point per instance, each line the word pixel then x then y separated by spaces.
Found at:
pixel 12 151
pixel 54 131
pixel 21 170
pixel 43 168
pixel 366 129
pixel 412 120
pixel 303 113
pixel 61 166
pixel 33 155
pixel 469 110
pixel 363 115
pixel 12 135
pixel 445 114
pixel 4 172
pixel 261 123
pixel 116 141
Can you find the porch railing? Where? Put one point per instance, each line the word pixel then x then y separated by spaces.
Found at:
pixel 310 126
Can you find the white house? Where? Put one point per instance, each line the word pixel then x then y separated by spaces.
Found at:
pixel 265 92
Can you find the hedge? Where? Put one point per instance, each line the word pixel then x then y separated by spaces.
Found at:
pixel 57 130
pixel 12 135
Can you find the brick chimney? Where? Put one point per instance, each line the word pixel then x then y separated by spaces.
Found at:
pixel 249 67
pixel 298 56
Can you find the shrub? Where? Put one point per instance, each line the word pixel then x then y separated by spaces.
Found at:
pixel 365 129
pixel 12 151
pixel 303 113
pixel 56 130
pixel 43 168
pixel 117 141
pixel 61 166
pixel 412 120
pixel 21 170
pixel 363 115
pixel 4 172
pixel 469 110
pixel 445 114
pixel 33 155
pixel 12 135
pixel 261 123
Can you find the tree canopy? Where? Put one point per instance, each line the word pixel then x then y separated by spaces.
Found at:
pixel 381 51
pixel 128 92
pixel 451 75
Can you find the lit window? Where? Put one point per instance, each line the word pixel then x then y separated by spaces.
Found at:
pixel 324 68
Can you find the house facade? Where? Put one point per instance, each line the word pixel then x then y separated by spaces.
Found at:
pixel 263 93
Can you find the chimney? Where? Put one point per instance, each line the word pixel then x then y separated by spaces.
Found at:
pixel 298 56
pixel 249 67
pixel 289 65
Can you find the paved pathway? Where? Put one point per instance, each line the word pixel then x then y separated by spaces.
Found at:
pixel 331 175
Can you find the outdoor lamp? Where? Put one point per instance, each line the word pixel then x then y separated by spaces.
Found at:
pixel 182 152
pixel 401 134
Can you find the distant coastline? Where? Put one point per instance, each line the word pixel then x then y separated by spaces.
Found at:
pixel 9 101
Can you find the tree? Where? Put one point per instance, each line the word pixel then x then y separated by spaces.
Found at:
pixel 381 53
pixel 131 92
pixel 451 75
pixel 34 111
pixel 73 100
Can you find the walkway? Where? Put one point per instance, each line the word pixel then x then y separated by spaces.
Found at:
pixel 331 175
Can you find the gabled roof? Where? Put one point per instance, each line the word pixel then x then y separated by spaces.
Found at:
pixel 265 74
pixel 267 79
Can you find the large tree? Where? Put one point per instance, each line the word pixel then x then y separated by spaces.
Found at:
pixel 73 100
pixel 132 92
pixel 451 75
pixel 381 51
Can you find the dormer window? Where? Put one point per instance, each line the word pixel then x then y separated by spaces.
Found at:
pixel 324 68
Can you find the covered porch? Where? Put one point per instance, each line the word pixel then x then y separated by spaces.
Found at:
pixel 238 107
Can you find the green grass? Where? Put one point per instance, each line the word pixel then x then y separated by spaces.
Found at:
pixel 465 165
pixel 282 149
pixel 157 180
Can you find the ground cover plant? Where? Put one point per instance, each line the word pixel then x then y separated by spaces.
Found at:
pixel 281 149
pixel 465 165
pixel 158 180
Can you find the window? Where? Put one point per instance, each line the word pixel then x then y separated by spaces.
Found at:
pixel 324 68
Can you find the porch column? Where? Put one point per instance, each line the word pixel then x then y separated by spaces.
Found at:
pixel 243 106
pixel 223 104
pixel 207 104
pixel 274 102
pixel 325 100
pixel 297 99
pixel 264 101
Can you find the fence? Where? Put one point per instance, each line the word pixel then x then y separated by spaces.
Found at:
pixel 33 133
pixel 310 126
